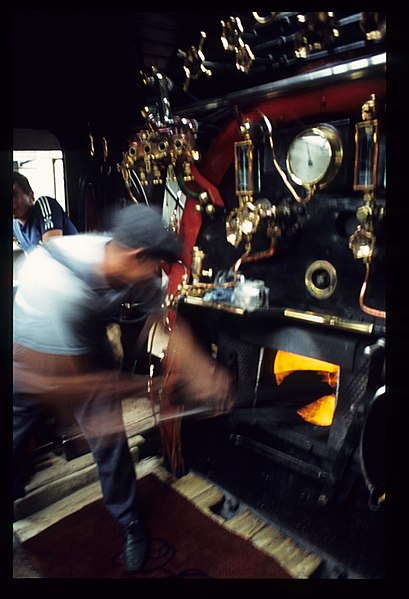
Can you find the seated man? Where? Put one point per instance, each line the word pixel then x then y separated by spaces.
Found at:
pixel 36 221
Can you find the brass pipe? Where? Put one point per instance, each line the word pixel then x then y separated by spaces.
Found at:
pixel 282 174
pixel 329 320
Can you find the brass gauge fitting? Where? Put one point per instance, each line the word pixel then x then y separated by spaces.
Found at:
pixel 361 243
pixel 317 32
pixel 197 261
pixel 373 25
pixel 363 213
pixel 321 279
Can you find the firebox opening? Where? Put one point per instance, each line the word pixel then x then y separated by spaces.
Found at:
pixel 306 386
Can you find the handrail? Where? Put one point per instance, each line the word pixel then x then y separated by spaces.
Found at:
pixel 333 74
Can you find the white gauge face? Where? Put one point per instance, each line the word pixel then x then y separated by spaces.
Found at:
pixel 312 156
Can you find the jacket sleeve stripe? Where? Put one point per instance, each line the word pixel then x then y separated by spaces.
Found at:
pixel 46 212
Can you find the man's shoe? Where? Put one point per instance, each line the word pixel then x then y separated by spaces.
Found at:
pixel 134 546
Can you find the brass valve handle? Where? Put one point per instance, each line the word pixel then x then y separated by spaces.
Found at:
pixel 232 39
pixel 194 60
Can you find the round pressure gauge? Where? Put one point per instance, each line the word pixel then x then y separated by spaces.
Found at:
pixel 314 156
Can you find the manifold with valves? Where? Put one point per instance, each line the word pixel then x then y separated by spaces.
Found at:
pixel 165 149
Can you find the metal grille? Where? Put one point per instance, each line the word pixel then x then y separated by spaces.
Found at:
pixel 351 394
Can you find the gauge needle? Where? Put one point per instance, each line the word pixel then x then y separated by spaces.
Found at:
pixel 309 155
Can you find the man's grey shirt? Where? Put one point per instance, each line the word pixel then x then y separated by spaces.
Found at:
pixel 62 306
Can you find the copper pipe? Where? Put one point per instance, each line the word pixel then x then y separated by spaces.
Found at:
pixel 261 255
pixel 238 263
pixel 366 309
pixel 133 198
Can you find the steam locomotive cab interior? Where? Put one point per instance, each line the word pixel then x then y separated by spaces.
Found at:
pixel 262 138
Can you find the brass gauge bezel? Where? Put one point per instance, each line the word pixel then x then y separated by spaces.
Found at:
pixel 330 270
pixel 333 144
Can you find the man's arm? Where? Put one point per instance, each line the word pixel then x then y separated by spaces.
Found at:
pixel 48 234
pixel 49 217
pixel 63 380
pixel 199 378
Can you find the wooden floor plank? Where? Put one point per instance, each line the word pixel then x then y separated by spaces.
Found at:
pixel 191 485
pixel 208 498
pixel 245 524
pixel 306 567
pixel 298 562
pixel 267 535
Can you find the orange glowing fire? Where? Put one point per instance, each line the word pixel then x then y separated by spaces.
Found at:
pixel 321 411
